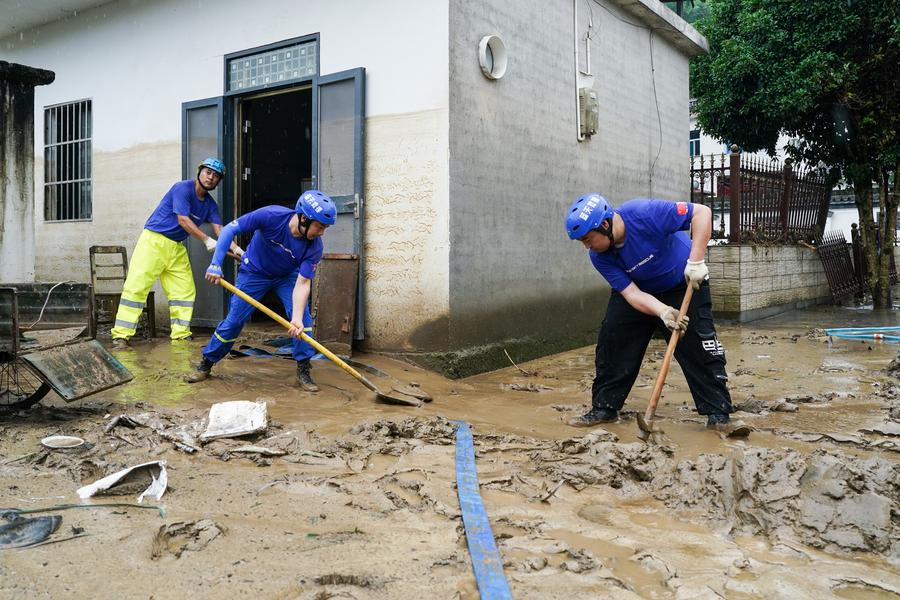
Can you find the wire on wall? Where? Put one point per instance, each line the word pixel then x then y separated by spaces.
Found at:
pixel 652 77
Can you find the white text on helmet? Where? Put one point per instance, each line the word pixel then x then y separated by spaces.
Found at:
pixel 588 207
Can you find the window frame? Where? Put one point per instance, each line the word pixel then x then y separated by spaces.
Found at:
pixel 81 158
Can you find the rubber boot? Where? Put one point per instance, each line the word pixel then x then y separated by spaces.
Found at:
pixel 595 416
pixel 119 343
pixel 725 426
pixel 201 373
pixel 303 376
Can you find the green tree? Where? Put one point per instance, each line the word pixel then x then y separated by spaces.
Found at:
pixel 824 71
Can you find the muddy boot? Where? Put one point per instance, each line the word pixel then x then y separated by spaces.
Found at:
pixel 728 428
pixel 595 416
pixel 119 343
pixel 303 376
pixel 202 372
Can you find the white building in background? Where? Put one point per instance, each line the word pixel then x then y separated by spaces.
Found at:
pixel 450 132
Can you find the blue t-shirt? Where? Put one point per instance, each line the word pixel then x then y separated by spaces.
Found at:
pixel 181 199
pixel 273 251
pixel 656 246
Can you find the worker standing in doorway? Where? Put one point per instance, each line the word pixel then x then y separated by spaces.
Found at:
pixel 160 253
pixel 643 251
pixel 282 255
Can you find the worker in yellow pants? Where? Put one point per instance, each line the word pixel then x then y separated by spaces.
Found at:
pixel 157 256
pixel 160 253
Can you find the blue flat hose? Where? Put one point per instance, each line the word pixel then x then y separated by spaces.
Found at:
pixel 486 561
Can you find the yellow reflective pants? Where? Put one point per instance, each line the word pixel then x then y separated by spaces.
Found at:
pixel 154 256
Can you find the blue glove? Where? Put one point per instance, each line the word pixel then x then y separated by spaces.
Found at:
pixel 214 270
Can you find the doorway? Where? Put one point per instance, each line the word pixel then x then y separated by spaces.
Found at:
pixel 274 158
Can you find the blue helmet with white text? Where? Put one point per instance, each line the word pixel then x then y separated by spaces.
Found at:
pixel 587 213
pixel 214 164
pixel 317 206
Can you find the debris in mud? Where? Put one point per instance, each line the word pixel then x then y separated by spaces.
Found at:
pixel 527 387
pixel 596 459
pixel 826 500
pixel 341 579
pixel 397 438
pixel 235 419
pixel 18 531
pixel 151 477
pixel 185 536
pixel 183 434
pixel 580 561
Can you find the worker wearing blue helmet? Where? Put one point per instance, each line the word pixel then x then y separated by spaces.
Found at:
pixel 283 254
pixel 644 252
pixel 159 252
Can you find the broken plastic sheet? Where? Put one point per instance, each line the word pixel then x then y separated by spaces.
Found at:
pixel 155 490
pixel 234 419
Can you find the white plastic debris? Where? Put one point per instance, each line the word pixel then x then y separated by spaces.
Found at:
pixel 156 489
pixel 234 419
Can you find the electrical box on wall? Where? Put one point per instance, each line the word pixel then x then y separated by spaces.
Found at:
pixel 589 107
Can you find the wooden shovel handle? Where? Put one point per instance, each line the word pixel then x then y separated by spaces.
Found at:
pixel 667 359
pixel 287 325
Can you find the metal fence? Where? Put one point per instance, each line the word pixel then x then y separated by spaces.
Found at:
pixel 756 201
pixel 843 278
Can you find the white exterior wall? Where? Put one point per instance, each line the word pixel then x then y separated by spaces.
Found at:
pixel 138 61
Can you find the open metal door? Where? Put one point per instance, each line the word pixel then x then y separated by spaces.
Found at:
pixel 340 120
pixel 202 135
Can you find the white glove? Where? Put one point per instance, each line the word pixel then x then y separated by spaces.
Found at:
pixel 210 244
pixel 669 317
pixel 238 251
pixel 695 273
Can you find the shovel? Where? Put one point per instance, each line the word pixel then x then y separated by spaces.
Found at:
pixel 382 397
pixel 645 421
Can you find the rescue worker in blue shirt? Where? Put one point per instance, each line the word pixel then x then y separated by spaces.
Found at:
pixel 282 255
pixel 160 253
pixel 643 251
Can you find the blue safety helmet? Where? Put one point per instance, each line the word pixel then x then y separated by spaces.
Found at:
pixel 587 213
pixel 317 207
pixel 213 164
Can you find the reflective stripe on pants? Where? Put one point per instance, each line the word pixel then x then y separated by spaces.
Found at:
pixel 239 311
pixel 154 256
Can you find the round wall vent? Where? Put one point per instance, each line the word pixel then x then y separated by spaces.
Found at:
pixel 492 56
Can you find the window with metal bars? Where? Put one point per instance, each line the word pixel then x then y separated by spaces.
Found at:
pixel 67 161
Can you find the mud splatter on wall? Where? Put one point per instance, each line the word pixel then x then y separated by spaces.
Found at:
pixel 407 225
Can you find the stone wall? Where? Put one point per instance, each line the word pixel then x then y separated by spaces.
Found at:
pixel 754 282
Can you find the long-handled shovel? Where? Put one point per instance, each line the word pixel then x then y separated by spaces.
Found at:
pixel 386 398
pixel 645 421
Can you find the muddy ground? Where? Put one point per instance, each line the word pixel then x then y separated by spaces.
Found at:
pixel 353 499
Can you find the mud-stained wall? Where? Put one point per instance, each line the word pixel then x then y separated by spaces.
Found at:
pixel 407 231
pixel 515 163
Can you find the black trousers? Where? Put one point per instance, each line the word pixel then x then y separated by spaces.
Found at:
pixel 625 333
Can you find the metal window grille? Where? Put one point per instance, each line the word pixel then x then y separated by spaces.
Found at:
pixel 67 161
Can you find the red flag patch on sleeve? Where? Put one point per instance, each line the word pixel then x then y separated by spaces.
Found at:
pixel 682 208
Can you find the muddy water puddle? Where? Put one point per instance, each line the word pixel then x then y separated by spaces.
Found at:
pixel 364 503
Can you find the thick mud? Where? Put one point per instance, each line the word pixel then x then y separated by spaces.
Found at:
pixel 342 497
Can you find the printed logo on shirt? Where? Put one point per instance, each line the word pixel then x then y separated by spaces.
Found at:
pixel 714 347
pixel 640 264
pixel 288 250
pixel 682 208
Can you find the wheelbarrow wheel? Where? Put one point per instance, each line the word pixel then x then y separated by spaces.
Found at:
pixel 20 388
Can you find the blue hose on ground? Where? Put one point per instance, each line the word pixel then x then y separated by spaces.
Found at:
pixel 486 561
